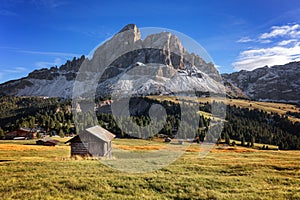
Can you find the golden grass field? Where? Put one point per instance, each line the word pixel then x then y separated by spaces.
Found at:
pixel 280 108
pixel 39 172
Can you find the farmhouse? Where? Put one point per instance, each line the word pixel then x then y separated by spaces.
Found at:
pixel 94 141
pixel 26 133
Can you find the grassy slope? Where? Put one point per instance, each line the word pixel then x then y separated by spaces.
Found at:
pixel 48 173
pixel 280 108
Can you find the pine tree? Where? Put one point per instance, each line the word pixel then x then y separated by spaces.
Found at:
pixel 227 139
pixel 252 141
pixel 243 141
pixel 61 133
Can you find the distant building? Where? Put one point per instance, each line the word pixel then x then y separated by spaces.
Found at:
pixel 48 142
pixel 39 142
pixel 168 139
pixel 94 141
pixel 22 132
pixel 51 142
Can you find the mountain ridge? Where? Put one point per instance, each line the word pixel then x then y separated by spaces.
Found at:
pixel 278 83
pixel 161 53
pixel 230 80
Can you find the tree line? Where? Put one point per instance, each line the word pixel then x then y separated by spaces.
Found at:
pixel 54 116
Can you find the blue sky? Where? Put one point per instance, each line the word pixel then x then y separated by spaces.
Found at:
pixel 238 34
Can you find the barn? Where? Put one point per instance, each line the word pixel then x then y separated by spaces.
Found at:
pixel 94 141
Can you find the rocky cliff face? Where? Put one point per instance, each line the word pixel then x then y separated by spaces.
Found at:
pixel 161 57
pixel 278 83
pixel 234 92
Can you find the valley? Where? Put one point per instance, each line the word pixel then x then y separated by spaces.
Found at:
pixel 244 146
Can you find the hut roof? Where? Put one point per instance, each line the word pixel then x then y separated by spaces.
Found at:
pixel 25 129
pixel 98 132
pixel 101 133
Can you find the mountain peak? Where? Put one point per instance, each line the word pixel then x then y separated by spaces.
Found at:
pixel 166 66
pixel 131 31
pixel 128 27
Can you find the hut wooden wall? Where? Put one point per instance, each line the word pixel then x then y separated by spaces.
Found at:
pixel 79 148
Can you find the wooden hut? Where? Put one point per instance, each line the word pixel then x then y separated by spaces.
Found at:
pixel 94 141
pixel 50 142
pixel 47 142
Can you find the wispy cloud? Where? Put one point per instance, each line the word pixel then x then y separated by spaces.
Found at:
pixel 7 72
pixel 10 48
pixel 50 53
pixel 265 41
pixel 248 39
pixel 286 42
pixel 48 3
pixel 279 46
pixel 15 70
pixel 245 40
pixel 4 12
pixel 43 64
pixel 252 59
pixel 287 30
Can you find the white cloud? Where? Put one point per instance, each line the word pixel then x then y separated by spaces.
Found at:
pixel 49 53
pixel 286 42
pixel 44 64
pixel 277 55
pixel 279 46
pixel 245 40
pixel 279 31
pixel 265 41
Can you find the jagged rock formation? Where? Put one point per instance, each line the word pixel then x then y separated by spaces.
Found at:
pixel 279 83
pixel 161 57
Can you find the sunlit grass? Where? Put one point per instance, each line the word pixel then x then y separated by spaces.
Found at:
pixel 49 173
pixel 280 108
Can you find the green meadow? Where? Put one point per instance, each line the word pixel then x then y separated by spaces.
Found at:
pixel 29 171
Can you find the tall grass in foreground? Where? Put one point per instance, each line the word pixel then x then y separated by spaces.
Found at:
pixel 48 173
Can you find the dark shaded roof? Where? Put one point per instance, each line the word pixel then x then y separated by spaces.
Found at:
pixel 51 141
pixel 48 140
pixel 98 132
